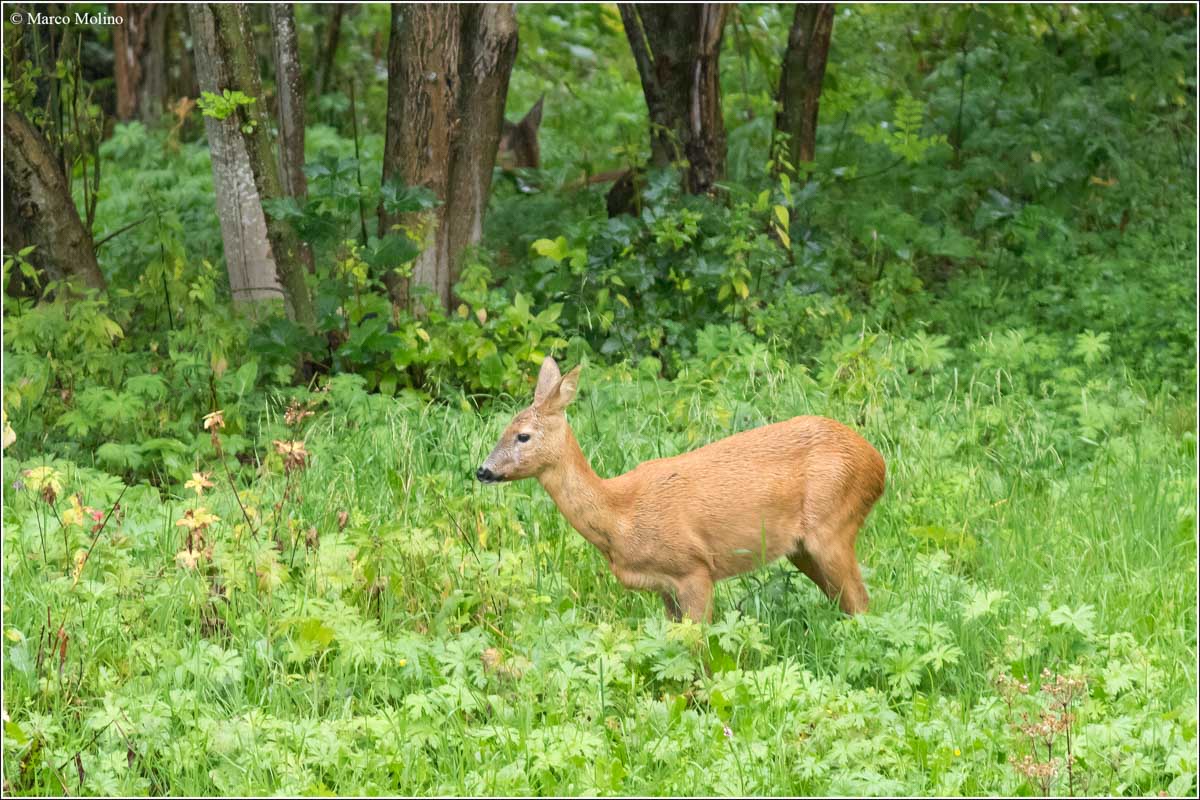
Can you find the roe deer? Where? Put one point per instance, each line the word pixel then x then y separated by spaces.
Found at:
pixel 520 148
pixel 519 145
pixel 799 488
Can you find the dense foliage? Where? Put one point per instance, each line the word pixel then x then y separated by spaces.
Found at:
pixel 989 271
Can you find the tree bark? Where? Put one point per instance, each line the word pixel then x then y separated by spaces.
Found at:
pixel 489 49
pixel 329 51
pixel 289 92
pixel 800 80
pixel 677 48
pixel 422 88
pixel 181 75
pixel 139 56
pixel 248 259
pixel 448 71
pixel 235 43
pixel 39 209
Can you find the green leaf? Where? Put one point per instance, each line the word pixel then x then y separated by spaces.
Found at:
pixel 1082 619
pixel 556 249
pixel 393 250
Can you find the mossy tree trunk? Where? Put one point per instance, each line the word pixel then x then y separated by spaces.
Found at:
pixel 801 78
pixel 677 48
pixel 235 43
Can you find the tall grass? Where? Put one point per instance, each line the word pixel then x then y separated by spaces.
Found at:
pixel 457 638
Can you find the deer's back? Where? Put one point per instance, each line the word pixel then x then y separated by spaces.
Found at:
pixel 752 497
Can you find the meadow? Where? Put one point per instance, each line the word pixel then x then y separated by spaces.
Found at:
pixel 224 575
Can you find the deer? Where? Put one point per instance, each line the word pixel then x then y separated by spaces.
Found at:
pixel 800 488
pixel 520 148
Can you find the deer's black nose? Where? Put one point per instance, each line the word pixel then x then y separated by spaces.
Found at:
pixel 484 474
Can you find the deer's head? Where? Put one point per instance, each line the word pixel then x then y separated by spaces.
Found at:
pixel 519 141
pixel 537 437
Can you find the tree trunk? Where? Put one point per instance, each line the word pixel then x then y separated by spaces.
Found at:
pixel 235 43
pixel 333 35
pixel 39 209
pixel 181 75
pixel 243 226
pixel 677 48
pixel 289 92
pixel 448 71
pixel 422 84
pixel 489 49
pixel 800 80
pixel 139 55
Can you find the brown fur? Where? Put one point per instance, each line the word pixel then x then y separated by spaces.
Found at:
pixel 519 146
pixel 799 488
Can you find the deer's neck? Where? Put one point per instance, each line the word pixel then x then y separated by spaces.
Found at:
pixel 583 497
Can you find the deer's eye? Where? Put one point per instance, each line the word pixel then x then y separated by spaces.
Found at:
pixel 522 437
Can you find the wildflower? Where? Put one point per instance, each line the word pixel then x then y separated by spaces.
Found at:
pixel 214 421
pixel 45 481
pixel 343 518
pixel 294 454
pixel 296 413
pixel 74 514
pixel 199 482
pixel 957 752
pixel 80 559
pixel 727 731
pixel 197 519
pixel 10 435
pixel 187 559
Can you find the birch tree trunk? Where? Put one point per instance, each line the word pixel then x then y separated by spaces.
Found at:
pixel 243 226
pixel 801 78
pixel 235 44
pixel 677 48
pixel 448 71
pixel 39 209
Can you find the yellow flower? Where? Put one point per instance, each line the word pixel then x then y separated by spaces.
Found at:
pixel 80 559
pixel 197 518
pixel 10 435
pixel 957 752
pixel 199 483
pixel 46 481
pixel 74 514
pixel 214 421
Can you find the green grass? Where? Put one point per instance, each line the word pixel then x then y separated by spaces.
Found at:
pixel 361 669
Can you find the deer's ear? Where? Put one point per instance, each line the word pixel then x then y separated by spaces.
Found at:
pixel 564 392
pixel 547 380
pixel 533 120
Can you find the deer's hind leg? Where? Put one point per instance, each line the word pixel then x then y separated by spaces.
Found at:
pixel 671 607
pixel 830 563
